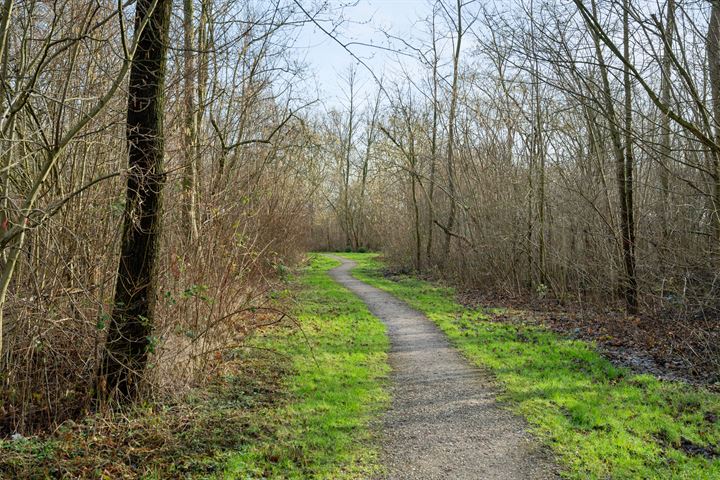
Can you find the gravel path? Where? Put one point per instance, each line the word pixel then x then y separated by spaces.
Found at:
pixel 444 421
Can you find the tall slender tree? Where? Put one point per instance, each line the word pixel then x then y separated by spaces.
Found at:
pixel 433 141
pixel 622 151
pixel 451 129
pixel 625 178
pixel 713 54
pixel 190 123
pixel 665 133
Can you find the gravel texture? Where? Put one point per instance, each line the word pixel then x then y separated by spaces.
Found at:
pixel 444 421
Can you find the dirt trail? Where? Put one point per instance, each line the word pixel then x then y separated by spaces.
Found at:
pixel 444 421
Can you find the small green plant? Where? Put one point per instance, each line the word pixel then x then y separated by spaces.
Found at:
pixel 102 321
pixel 283 272
pixel 196 291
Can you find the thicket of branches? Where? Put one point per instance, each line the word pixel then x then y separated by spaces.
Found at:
pixel 564 149
pixel 237 173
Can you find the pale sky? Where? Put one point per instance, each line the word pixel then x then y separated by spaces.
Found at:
pixel 365 23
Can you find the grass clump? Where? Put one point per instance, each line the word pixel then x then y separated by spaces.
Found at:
pixel 600 420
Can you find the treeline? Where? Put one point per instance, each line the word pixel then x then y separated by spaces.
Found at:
pixel 156 170
pixel 561 149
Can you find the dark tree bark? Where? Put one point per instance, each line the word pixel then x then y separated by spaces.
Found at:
pixel 129 335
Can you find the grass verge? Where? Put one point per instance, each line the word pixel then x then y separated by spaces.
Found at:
pixel 298 406
pixel 600 420
pixel 340 360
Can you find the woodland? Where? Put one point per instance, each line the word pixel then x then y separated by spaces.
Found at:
pixel 165 168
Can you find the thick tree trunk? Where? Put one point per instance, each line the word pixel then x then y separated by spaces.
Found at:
pixel 129 335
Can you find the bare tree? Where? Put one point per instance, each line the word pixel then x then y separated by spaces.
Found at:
pixel 191 121
pixel 459 32
pixel 713 54
pixel 21 215
pixel 665 131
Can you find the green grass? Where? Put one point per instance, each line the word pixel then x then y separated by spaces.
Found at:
pixel 601 421
pixel 340 362
pixel 298 405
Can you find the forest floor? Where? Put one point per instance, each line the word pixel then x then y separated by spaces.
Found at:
pixel 670 344
pixel 295 403
pixel 314 397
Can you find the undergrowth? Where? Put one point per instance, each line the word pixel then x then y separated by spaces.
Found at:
pixel 600 420
pixel 297 404
pixel 186 439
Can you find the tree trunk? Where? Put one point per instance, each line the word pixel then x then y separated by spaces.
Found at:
pixel 451 135
pixel 713 54
pixel 418 236
pixel 625 181
pixel 414 181
pixel 530 225
pixel 538 153
pixel 348 157
pixel 623 164
pixel 189 137
pixel 433 151
pixel 129 339
pixel 372 124
pixel 665 150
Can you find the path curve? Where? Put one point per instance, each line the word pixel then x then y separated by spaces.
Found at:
pixel 444 421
